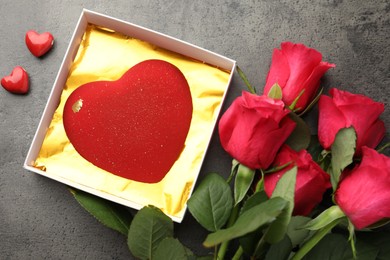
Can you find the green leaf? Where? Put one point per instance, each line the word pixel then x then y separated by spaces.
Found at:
pixel 380 223
pixel 275 92
pixel 336 246
pixel 211 203
pixel 295 230
pixel 315 149
pixel 351 238
pixel 254 200
pixel 246 81
pixel 234 169
pixel 325 218
pixel 208 257
pixel 249 241
pixel 106 212
pixel 260 183
pixel 301 136
pixel 378 239
pixel 332 246
pixel 243 182
pixel 285 188
pixel 315 239
pixel 343 149
pixel 149 227
pixel 170 249
pixel 277 168
pixel 252 219
pixel 368 251
pixel 383 148
pixel 312 103
pixel 280 250
pixel 277 230
pixel 294 103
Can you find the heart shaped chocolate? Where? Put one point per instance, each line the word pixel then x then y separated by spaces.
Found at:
pixel 134 127
pixel 17 81
pixel 39 44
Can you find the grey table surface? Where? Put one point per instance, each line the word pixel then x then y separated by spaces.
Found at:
pixel 39 219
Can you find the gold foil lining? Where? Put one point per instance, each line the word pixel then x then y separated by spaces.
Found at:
pixel 106 55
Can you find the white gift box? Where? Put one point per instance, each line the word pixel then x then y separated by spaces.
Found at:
pixel 162 41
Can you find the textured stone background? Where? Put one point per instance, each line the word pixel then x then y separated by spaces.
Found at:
pixel 39 219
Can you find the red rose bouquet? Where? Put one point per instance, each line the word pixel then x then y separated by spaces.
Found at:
pixel 293 192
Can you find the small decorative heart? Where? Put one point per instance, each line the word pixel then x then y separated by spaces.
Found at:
pixel 134 127
pixel 17 81
pixel 39 44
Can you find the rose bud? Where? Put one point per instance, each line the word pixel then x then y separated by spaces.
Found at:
pixel 254 128
pixel 311 182
pixel 344 109
pixel 297 69
pixel 364 192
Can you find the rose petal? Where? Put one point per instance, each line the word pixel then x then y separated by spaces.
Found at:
pixel 279 71
pixel 310 85
pixel 330 121
pixel 373 135
pixel 360 111
pixel 302 60
pixel 311 185
pixel 311 181
pixel 274 140
pixel 364 194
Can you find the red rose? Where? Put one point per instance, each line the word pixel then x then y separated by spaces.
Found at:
pixel 345 109
pixel 296 68
pixel 364 192
pixel 311 181
pixel 254 128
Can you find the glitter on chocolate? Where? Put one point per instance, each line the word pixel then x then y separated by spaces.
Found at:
pixel 134 127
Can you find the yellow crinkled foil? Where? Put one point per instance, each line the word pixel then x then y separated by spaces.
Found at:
pixel 106 55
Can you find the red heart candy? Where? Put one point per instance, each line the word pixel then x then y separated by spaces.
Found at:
pixel 17 81
pixel 39 44
pixel 134 127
